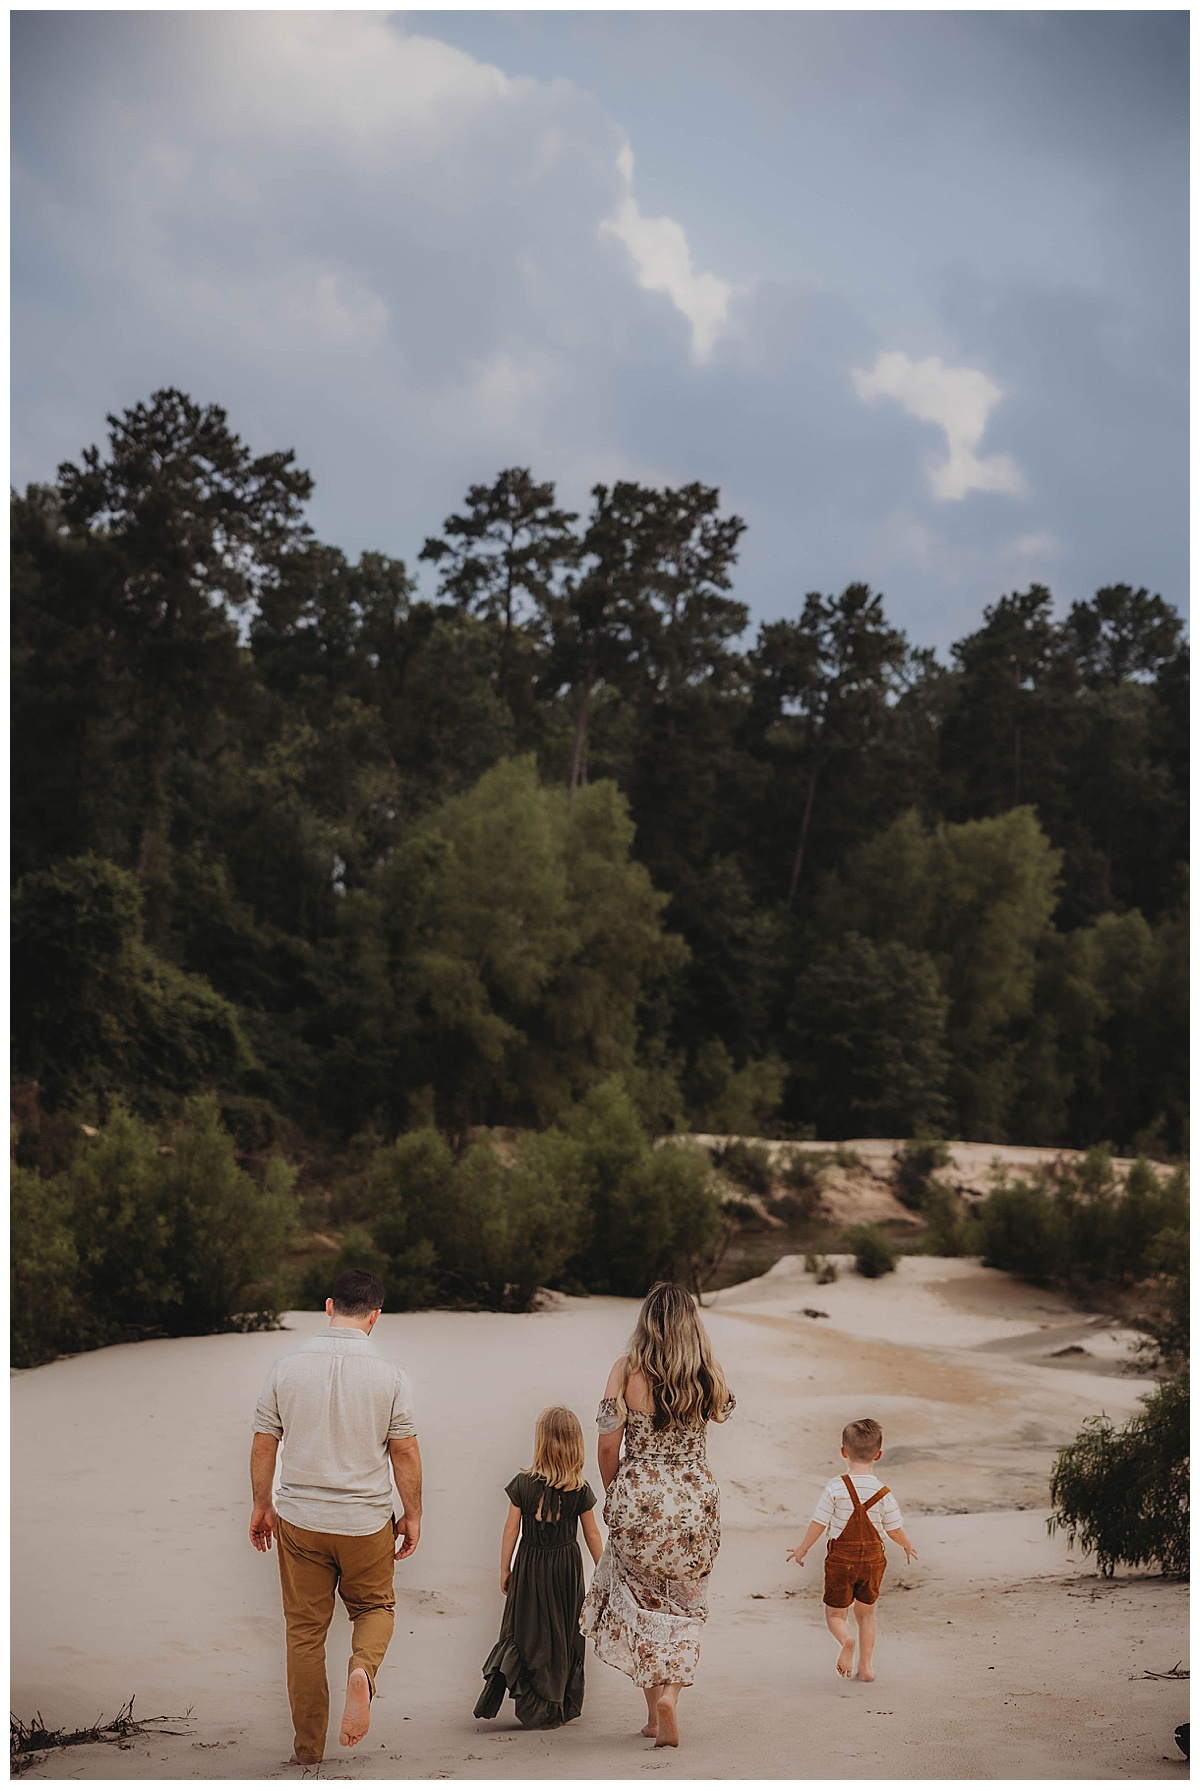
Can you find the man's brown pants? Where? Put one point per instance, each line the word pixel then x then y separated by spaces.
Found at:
pixel 312 1566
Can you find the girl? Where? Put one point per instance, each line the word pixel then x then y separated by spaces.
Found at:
pixel 539 1656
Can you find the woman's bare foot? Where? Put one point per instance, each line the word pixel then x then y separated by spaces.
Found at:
pixel 845 1660
pixel 356 1716
pixel 651 1728
pixel 866 1674
pixel 668 1725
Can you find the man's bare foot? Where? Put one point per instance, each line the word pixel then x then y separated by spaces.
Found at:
pixel 845 1660
pixel 356 1717
pixel 866 1674
pixel 668 1726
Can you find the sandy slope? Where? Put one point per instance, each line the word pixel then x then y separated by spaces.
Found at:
pixel 1000 1656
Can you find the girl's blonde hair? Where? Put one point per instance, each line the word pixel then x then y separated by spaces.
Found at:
pixel 558 1449
pixel 671 1351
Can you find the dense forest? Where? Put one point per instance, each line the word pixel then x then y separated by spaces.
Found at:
pixel 310 869
pixel 284 831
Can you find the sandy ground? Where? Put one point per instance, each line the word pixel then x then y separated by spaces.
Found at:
pixel 1000 1656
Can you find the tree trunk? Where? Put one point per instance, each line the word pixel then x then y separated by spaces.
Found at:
pixel 579 750
pixel 803 840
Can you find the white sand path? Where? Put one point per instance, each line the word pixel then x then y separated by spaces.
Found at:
pixel 999 1656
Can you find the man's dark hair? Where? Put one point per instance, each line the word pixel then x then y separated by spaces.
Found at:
pixel 356 1292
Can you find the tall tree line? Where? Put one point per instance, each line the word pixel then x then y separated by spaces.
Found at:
pixel 285 830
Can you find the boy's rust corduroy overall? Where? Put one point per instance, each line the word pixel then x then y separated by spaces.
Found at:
pixel 855 1559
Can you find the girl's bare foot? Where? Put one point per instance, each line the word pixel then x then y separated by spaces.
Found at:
pixel 356 1716
pixel 668 1725
pixel 845 1660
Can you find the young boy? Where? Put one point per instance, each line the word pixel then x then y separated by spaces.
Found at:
pixel 858 1510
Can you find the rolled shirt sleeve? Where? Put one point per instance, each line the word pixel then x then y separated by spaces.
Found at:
pixel 889 1513
pixel 825 1511
pixel 403 1421
pixel 266 1412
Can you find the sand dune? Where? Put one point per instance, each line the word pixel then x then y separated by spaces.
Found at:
pixel 999 1654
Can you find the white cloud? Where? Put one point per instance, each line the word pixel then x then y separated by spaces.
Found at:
pixel 659 247
pixel 959 400
pixel 351 79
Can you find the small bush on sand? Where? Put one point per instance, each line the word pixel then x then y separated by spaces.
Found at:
pixel 747 1163
pixel 913 1166
pixel 825 1271
pixel 948 1229
pixel 1122 1494
pixel 873 1254
pixel 801 1174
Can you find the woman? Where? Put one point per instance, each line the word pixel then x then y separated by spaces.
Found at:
pixel 648 1600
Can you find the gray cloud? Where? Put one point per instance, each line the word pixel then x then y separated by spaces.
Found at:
pixel 376 247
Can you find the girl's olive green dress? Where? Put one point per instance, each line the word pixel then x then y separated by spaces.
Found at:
pixel 539 1656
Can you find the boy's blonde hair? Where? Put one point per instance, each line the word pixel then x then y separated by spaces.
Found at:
pixel 862 1440
pixel 558 1449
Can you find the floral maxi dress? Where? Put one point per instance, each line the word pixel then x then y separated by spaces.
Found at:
pixel 649 1594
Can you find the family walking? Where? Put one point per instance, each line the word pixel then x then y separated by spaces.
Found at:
pixel 344 1416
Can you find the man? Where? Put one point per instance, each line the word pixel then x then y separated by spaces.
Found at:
pixel 343 1413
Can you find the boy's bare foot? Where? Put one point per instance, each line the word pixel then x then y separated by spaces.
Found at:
pixel 668 1726
pixel 356 1716
pixel 845 1660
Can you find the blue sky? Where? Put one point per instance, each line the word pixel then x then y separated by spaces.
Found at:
pixel 910 287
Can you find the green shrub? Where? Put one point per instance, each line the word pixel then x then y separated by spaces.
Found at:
pixel 1167 1322
pixel 95 1010
pixel 648 1212
pixel 728 1101
pixel 137 1236
pixel 1021 1229
pixel 913 1165
pixel 801 1175
pixel 1123 1494
pixel 226 1236
pixel 873 1254
pixel 1079 1224
pixel 43 1271
pixel 591 1203
pixel 509 1230
pixel 749 1164
pixel 948 1229
pixel 358 1249
pixel 409 1194
pixel 826 1272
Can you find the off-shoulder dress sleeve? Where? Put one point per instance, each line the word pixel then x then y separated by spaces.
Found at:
pixel 609 1416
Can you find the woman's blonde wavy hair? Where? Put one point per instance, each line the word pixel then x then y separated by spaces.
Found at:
pixel 558 1449
pixel 671 1351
